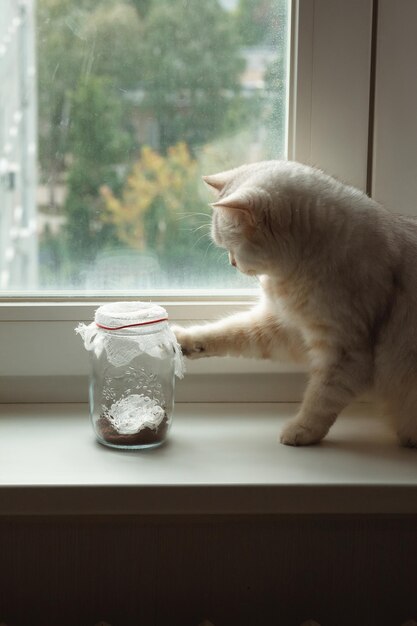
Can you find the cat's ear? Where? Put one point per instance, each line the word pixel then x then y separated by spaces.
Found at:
pixel 233 201
pixel 237 203
pixel 218 181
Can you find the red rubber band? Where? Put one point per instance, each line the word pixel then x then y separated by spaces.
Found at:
pixel 163 319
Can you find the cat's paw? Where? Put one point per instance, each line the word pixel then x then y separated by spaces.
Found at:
pixel 297 434
pixel 190 345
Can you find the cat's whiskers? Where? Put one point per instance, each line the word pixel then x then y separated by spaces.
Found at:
pixel 187 215
pixel 187 230
pixel 199 239
pixel 222 254
pixel 194 230
pixel 208 225
pixel 211 243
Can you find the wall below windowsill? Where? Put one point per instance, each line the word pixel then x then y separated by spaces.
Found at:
pixel 221 459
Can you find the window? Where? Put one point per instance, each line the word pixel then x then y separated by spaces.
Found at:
pixel 117 108
pixel 320 116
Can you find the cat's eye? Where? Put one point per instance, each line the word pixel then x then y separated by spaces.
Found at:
pixel 109 113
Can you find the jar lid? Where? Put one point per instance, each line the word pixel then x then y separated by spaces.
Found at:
pixel 118 315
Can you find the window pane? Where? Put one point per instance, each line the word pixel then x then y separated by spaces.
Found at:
pixel 110 112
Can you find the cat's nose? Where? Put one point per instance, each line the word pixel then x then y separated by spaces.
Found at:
pixel 232 260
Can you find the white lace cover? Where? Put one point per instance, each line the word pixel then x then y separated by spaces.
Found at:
pixel 121 350
pixel 117 314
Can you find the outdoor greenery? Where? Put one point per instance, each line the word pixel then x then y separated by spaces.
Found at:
pixel 135 98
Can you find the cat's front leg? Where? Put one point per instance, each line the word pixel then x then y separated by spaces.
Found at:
pixel 230 336
pixel 330 390
pixel 256 334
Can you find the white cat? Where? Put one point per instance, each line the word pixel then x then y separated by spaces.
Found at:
pixel 339 278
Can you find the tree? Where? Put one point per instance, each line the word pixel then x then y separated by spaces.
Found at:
pixel 155 193
pixel 190 67
pixel 98 141
pixel 115 31
pixel 105 67
pixel 160 211
pixel 142 6
pixel 259 22
pixel 78 40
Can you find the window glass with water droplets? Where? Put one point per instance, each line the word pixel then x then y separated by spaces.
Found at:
pixel 110 113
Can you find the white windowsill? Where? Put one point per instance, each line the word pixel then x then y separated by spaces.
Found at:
pixel 220 459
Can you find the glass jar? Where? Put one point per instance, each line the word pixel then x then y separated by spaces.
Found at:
pixel 135 357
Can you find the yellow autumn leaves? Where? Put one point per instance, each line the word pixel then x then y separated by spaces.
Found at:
pixel 157 191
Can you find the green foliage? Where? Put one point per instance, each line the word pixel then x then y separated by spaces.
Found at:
pixel 259 21
pixel 190 68
pixel 114 32
pixel 97 136
pixel 141 6
pixel 97 141
pixel 110 70
pixel 76 41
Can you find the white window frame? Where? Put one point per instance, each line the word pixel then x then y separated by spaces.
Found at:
pixel 330 86
pixel 394 180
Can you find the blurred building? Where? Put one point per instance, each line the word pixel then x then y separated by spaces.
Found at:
pixel 18 232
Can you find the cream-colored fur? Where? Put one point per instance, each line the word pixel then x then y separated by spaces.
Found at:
pixel 339 279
